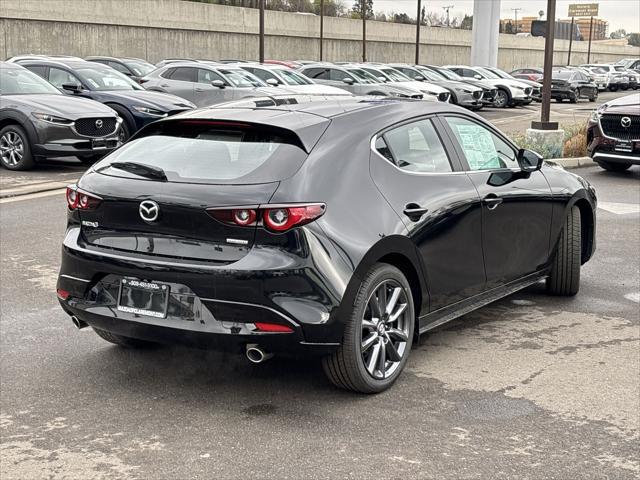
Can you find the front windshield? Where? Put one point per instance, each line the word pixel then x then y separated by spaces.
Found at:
pixel 363 76
pixel 500 73
pixel 431 75
pixel 241 78
pixel 377 73
pixel 293 78
pixel 486 73
pixel 106 79
pixel 598 70
pixel 20 81
pixel 450 75
pixel 139 68
pixel 395 75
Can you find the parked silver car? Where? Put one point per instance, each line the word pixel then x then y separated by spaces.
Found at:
pixel 356 80
pixel 430 91
pixel 206 84
pixel 277 75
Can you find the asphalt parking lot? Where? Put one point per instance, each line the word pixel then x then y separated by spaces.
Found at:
pixel 529 387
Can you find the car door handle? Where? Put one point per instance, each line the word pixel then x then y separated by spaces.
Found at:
pixel 199 89
pixel 492 201
pixel 414 211
pixel 164 84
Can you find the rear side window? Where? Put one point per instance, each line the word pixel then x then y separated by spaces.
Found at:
pixel 184 74
pixel 317 73
pixel 211 152
pixel 415 147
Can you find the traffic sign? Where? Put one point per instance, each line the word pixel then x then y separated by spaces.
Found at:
pixel 583 10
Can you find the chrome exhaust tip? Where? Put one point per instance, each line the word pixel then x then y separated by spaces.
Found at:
pixel 79 324
pixel 255 353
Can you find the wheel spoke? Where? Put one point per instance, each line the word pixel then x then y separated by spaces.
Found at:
pixel 369 341
pixel 382 358
pixel 391 352
pixel 395 315
pixel 393 300
pixel 375 307
pixel 396 334
pixel 382 298
pixel 368 324
pixel 373 360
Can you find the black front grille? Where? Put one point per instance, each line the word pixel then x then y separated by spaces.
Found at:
pixel 477 94
pixel 616 126
pixel 96 127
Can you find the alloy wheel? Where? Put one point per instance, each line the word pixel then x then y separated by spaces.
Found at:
pixel 11 148
pixel 501 99
pixel 385 329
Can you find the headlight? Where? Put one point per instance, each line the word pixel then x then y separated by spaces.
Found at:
pixel 595 116
pixel 150 111
pixel 398 94
pixel 45 117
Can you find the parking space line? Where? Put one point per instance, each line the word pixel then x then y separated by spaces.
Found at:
pixel 619 208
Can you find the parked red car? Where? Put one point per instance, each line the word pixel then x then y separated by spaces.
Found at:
pixel 533 74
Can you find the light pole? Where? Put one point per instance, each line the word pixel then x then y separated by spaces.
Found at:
pixel 418 32
pixel 261 40
pixel 321 26
pixel 447 8
pixel 544 123
pixel 516 10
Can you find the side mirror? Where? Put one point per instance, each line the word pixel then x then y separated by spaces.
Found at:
pixel 72 87
pixel 419 78
pixel 348 81
pixel 477 77
pixel 218 83
pixel 382 79
pixel 529 161
pixel 273 82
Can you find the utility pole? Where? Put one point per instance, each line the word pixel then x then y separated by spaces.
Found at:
pixel 418 32
pixel 544 123
pixel 516 10
pixel 261 40
pixel 571 41
pixel 321 26
pixel 364 30
pixel 447 8
pixel 590 37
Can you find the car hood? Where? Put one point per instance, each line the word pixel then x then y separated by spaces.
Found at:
pixel 59 105
pixel 317 89
pixel 424 86
pixel 453 84
pixel 156 100
pixel 629 104
pixel 479 83
pixel 496 82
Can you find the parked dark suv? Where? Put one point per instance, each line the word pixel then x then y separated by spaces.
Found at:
pixel 36 120
pixel 613 134
pixel 136 106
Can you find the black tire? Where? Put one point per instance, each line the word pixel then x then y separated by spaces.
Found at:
pixel 613 89
pixel 614 166
pixel 564 279
pixel 15 149
pixel 346 367
pixel 573 97
pixel 501 100
pixel 127 342
pixel 558 100
pixel 126 127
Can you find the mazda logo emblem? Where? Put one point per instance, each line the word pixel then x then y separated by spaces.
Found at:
pixel 625 122
pixel 98 123
pixel 149 211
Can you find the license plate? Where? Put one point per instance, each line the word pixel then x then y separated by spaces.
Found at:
pixel 98 143
pixel 150 299
pixel 626 147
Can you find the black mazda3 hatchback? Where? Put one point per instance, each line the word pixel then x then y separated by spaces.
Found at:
pixel 342 228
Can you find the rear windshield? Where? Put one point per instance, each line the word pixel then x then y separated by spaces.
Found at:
pixel 201 154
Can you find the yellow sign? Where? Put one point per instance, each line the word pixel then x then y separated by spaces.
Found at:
pixel 583 10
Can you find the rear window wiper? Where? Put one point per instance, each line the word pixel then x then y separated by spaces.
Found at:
pixel 148 171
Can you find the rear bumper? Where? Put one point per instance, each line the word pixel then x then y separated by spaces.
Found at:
pixel 210 306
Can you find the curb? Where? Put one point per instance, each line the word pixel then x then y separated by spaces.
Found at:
pixel 34 188
pixel 570 163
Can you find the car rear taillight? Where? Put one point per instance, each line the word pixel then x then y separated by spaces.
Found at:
pixel 62 294
pixel 277 218
pixel 79 200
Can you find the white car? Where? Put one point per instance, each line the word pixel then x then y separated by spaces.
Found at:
pixel 280 75
pixel 431 91
pixel 617 74
pixel 510 92
pixel 600 77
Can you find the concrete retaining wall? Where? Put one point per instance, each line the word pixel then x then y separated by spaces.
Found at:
pixel 157 29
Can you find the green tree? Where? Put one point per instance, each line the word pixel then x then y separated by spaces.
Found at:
pixel 467 22
pixel 332 8
pixel 634 39
pixel 620 33
pixel 356 10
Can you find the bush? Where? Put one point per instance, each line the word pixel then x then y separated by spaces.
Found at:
pixel 575 143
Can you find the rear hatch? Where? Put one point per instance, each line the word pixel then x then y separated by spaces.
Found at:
pixel 156 192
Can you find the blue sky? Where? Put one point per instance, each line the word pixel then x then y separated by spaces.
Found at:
pixel 620 13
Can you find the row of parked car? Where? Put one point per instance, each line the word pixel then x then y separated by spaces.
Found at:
pixel 115 97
